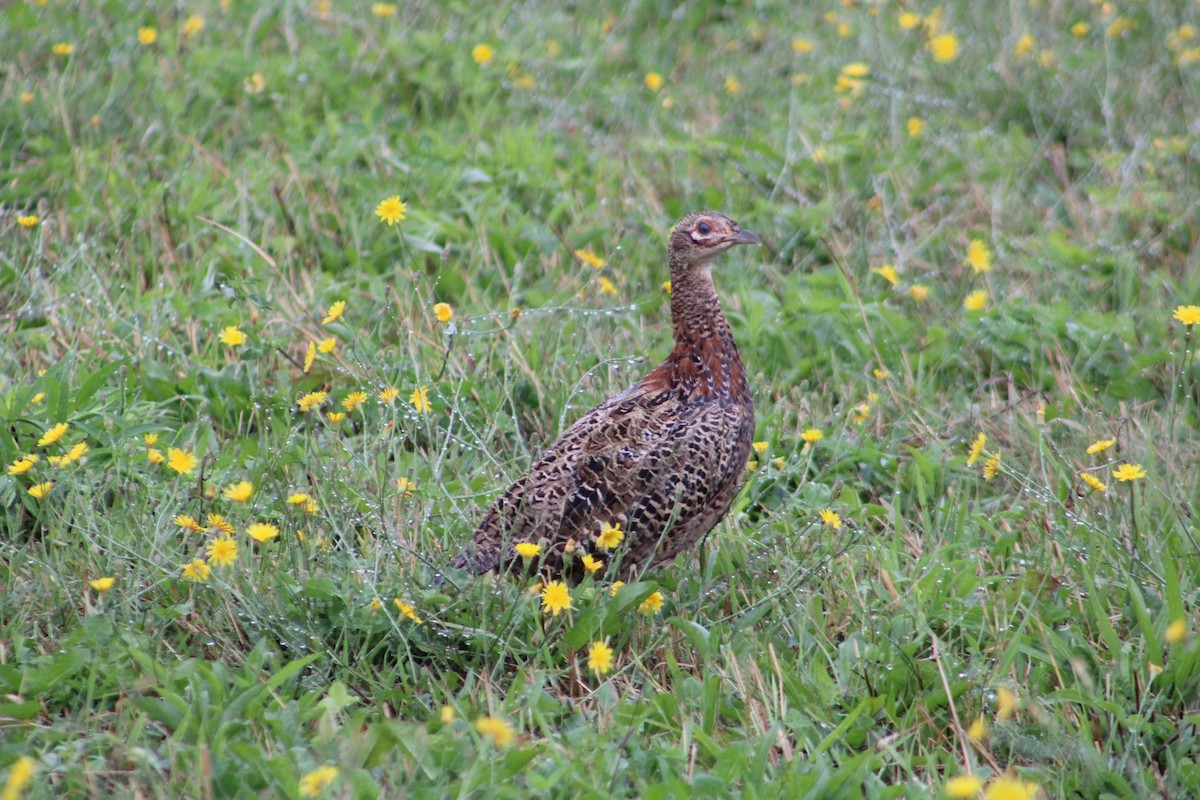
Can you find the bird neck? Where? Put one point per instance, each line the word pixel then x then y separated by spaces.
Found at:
pixel 695 308
pixel 705 360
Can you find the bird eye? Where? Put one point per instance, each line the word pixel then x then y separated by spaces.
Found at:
pixel 704 228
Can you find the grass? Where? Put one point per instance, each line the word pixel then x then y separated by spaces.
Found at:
pixel 1023 625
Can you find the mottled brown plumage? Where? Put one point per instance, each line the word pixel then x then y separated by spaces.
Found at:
pixel 663 459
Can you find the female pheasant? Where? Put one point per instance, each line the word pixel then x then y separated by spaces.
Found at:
pixel 662 459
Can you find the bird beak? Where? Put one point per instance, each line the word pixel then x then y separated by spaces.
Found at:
pixel 742 236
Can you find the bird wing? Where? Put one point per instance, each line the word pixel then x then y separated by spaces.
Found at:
pixel 629 460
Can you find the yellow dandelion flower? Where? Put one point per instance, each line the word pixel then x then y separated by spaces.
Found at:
pixel 77 451
pixel 155 456
pixel 448 715
pixel 310 355
pixel 607 286
pixel 1006 788
pixel 311 507
pixel 1188 315
pixel 909 20
pixel 317 781
pixel 1129 472
pixel 1006 703
pixel 22 465
pixel 760 447
pixel 652 604
pixel 326 346
pixel 334 312
pixel 654 81
pixel 391 210
pixel 405 486
pixel 27 220
pixel 976 301
pixel 53 434
pixel 666 286
pixel 147 36
pixel 255 83
pixel 386 396
pixel 556 597
pixel 802 45
pixel 881 374
pixel 218 523
pixel 196 570
pixel 976 448
pixel 181 461
pixel 1024 45
pixel 812 435
pixel 610 536
pixel 600 658
pixel 916 126
pixel 20 775
pixel 1119 27
pixel 888 273
pixel 407 609
pixel 336 416
pixel 354 400
pixel 443 311
pixel 103 584
pixel 495 730
pixel 1100 445
pixel 298 498
pixel 830 519
pixel 616 587
pixel 312 400
pixel 188 523
pixel 420 400
pixel 150 439
pixel 239 492
pixel 846 84
pixel 752 465
pixel 978 730
pixel 963 786
pixel 262 532
pixel 590 563
pixel 1092 481
pixel 991 467
pixel 222 551
pixel 979 257
pixel 63 49
pixel 1080 29
pixel 590 258
pixel 27 97
pixel 860 412
pixel 1176 632
pixel 482 54
pixel 527 549
pixel 732 85
pixel 918 292
pixel 553 48
pixel 193 25
pixel 383 10
pixel 944 47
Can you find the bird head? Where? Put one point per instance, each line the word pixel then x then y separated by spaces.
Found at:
pixel 699 237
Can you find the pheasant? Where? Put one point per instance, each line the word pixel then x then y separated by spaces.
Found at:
pixel 662 460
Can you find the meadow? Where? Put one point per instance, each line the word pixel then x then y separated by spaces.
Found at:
pixel 290 290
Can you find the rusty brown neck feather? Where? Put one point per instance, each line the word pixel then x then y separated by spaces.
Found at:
pixel 705 361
